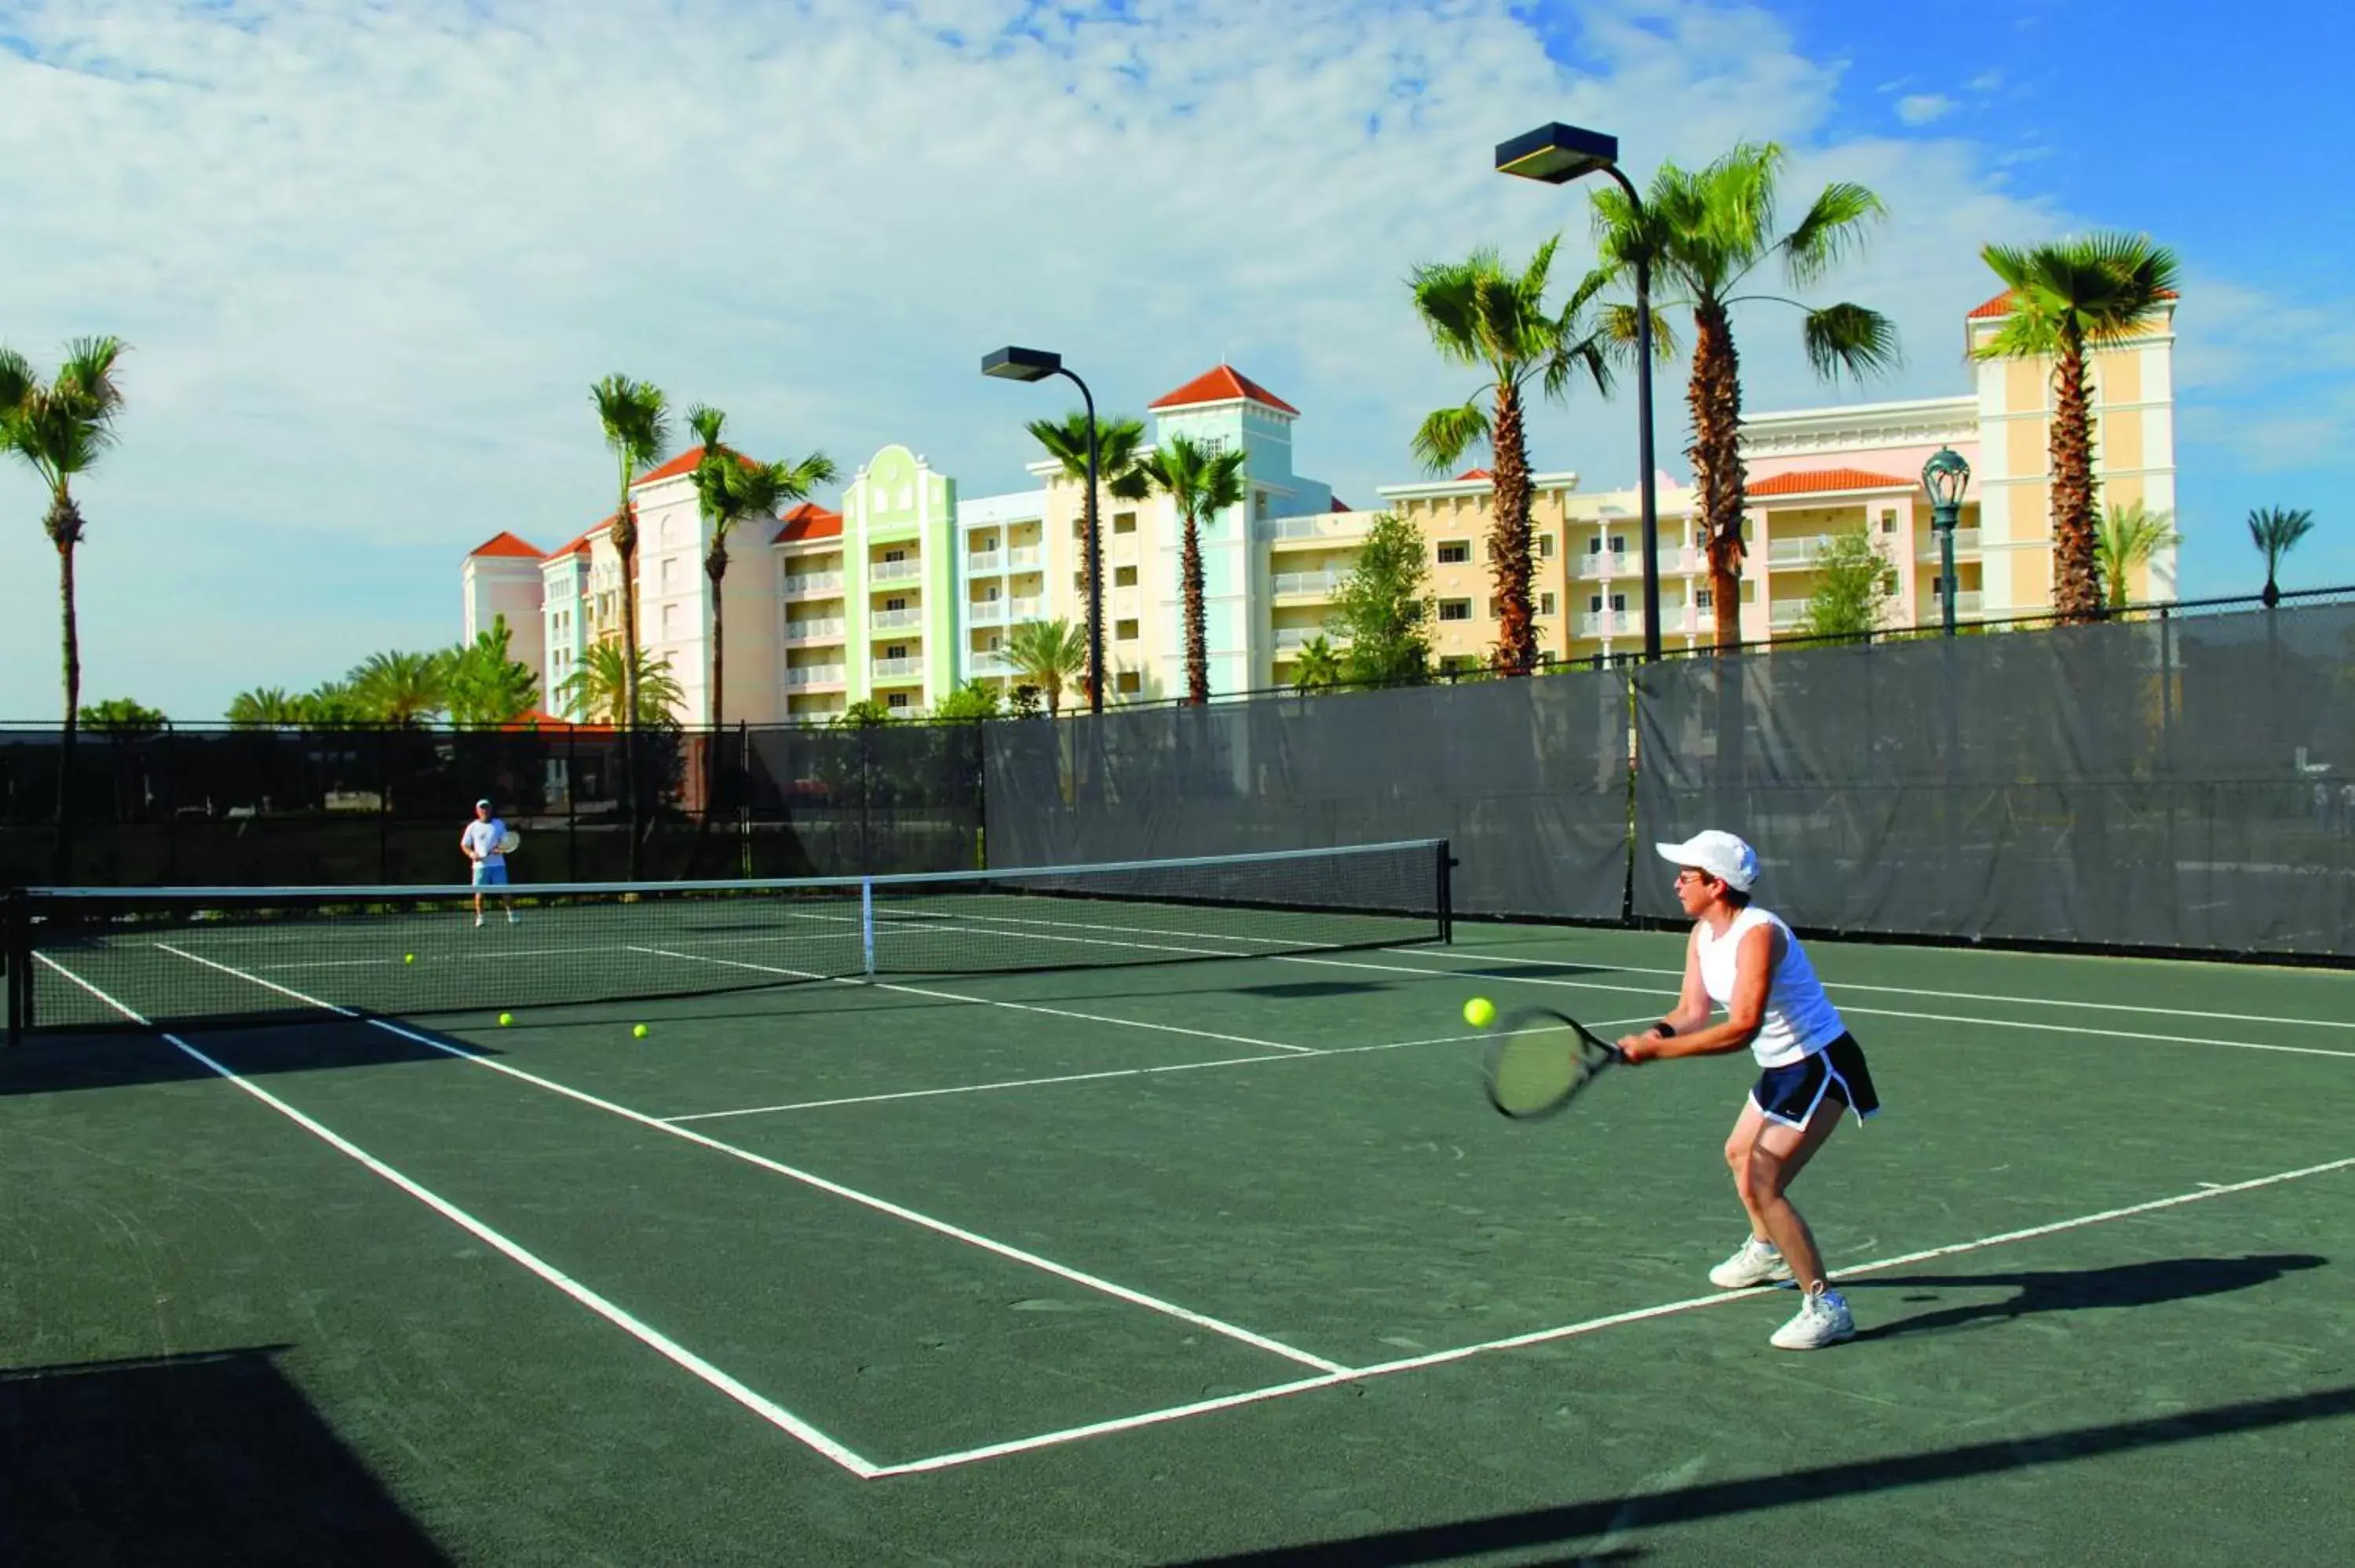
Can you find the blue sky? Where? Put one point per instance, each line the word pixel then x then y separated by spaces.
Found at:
pixel 370 258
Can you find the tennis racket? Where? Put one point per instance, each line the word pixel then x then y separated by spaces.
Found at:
pixel 509 841
pixel 1542 1060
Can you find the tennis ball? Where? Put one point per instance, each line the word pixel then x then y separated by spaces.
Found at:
pixel 638 1031
pixel 1479 1013
pixel 409 958
pixel 505 1018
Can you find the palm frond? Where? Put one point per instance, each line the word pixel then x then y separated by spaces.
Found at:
pixel 1446 435
pixel 1851 340
pixel 1833 228
pixel 710 424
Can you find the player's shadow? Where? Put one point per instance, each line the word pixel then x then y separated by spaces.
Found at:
pixel 2077 1289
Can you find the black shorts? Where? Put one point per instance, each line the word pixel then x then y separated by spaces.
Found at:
pixel 1791 1094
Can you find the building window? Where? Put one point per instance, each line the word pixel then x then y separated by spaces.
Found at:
pixel 1454 552
pixel 1259 503
pixel 1618 544
pixel 895 603
pixel 1889 520
pixel 1080 580
pixel 1129 682
pixel 1545 604
pixel 895 699
pixel 896 651
pixel 1454 609
pixel 1704 598
pixel 670 574
pixel 670 620
pixel 1618 602
pixel 1125 630
pixel 1545 546
pixel 993 642
pixel 1124 522
pixel 1123 577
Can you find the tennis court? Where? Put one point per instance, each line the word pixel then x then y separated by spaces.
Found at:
pixel 1184 1235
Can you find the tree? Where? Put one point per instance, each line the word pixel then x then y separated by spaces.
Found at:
pixel 1854 588
pixel 1200 484
pixel 123 716
pixel 1048 655
pixel 61 430
pixel 1384 607
pixel 1484 316
pixel 1120 441
pixel 1705 232
pixel 2067 297
pixel 600 687
pixel 1022 703
pixel 400 688
pixel 331 704
pixel 483 685
pixel 265 707
pixel 2128 538
pixel 868 713
pixel 1318 668
pixel 2276 532
pixel 636 421
pixel 970 703
pixel 730 488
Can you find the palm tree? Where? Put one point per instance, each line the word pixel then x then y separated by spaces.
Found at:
pixel 1120 443
pixel 730 488
pixel 328 704
pixel 265 707
pixel 601 686
pixel 1200 484
pixel 1486 317
pixel 636 421
pixel 400 688
pixel 1705 232
pixel 2067 298
pixel 1319 666
pixel 483 685
pixel 2276 532
pixel 61 430
pixel 2128 538
pixel 1049 655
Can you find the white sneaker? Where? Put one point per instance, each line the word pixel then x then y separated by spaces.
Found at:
pixel 1754 1262
pixel 511 916
pixel 478 922
pixel 1823 1319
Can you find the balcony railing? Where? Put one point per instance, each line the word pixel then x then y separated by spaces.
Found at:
pixel 814 582
pixel 1291 638
pixel 1025 557
pixel 1029 608
pixel 1794 552
pixel 1609 564
pixel 814 675
pixel 898 668
pixel 984 612
pixel 987 661
pixel 1316 585
pixel 1608 622
pixel 986 561
pixel 895 571
pixel 1967 543
pixel 1787 612
pixel 1966 602
pixel 828 630
pixel 1323 526
pixel 894 620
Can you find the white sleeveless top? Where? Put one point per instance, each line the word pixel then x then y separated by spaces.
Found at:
pixel 1800 1019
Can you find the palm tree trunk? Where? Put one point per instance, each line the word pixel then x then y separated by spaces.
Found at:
pixel 625 545
pixel 61 855
pixel 1715 398
pixel 715 566
pixel 2076 584
pixel 1509 539
pixel 1198 652
pixel 1088 542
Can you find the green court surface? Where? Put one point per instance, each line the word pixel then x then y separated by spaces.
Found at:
pixel 1224 1261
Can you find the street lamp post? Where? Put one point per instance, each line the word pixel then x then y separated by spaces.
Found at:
pixel 1011 363
pixel 1555 155
pixel 1945 476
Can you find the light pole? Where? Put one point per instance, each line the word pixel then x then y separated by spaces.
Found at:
pixel 1011 363
pixel 1555 155
pixel 1945 476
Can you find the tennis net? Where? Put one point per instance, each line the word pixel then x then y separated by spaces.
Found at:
pixel 80 958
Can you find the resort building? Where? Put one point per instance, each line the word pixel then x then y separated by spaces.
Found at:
pixel 869 597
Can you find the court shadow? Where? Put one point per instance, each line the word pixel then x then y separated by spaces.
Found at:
pixel 1310 990
pixel 206 1458
pixel 2073 1290
pixel 1602 1518
pixel 1529 970
pixel 58 1064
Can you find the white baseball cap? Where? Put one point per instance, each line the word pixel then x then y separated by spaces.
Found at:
pixel 1720 854
pixel 482 805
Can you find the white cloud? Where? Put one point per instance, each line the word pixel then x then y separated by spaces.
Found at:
pixel 370 257
pixel 1921 108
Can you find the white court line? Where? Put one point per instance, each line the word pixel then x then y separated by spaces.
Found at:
pixel 1573 1330
pixel 808 1179
pixel 1944 995
pixel 981 1001
pixel 768 1410
pixel 1120 1073
pixel 2038 1026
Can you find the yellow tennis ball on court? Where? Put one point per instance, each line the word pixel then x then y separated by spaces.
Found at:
pixel 409 958
pixel 639 1031
pixel 1479 1013
pixel 505 1018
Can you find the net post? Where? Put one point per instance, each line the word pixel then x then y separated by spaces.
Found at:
pixel 866 925
pixel 14 943
pixel 1447 890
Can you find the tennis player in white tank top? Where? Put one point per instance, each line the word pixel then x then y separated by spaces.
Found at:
pixel 1811 1070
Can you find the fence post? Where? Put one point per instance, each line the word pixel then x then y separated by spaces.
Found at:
pixel 383 811
pixel 171 804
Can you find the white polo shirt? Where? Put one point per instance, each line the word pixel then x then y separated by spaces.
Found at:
pixel 483 839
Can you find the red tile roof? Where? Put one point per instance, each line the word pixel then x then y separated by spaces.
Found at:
pixel 579 546
pixel 2001 306
pixel 1819 480
pixel 1223 385
pixel 683 463
pixel 809 521
pixel 504 544
pixel 1470 473
pixel 537 720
